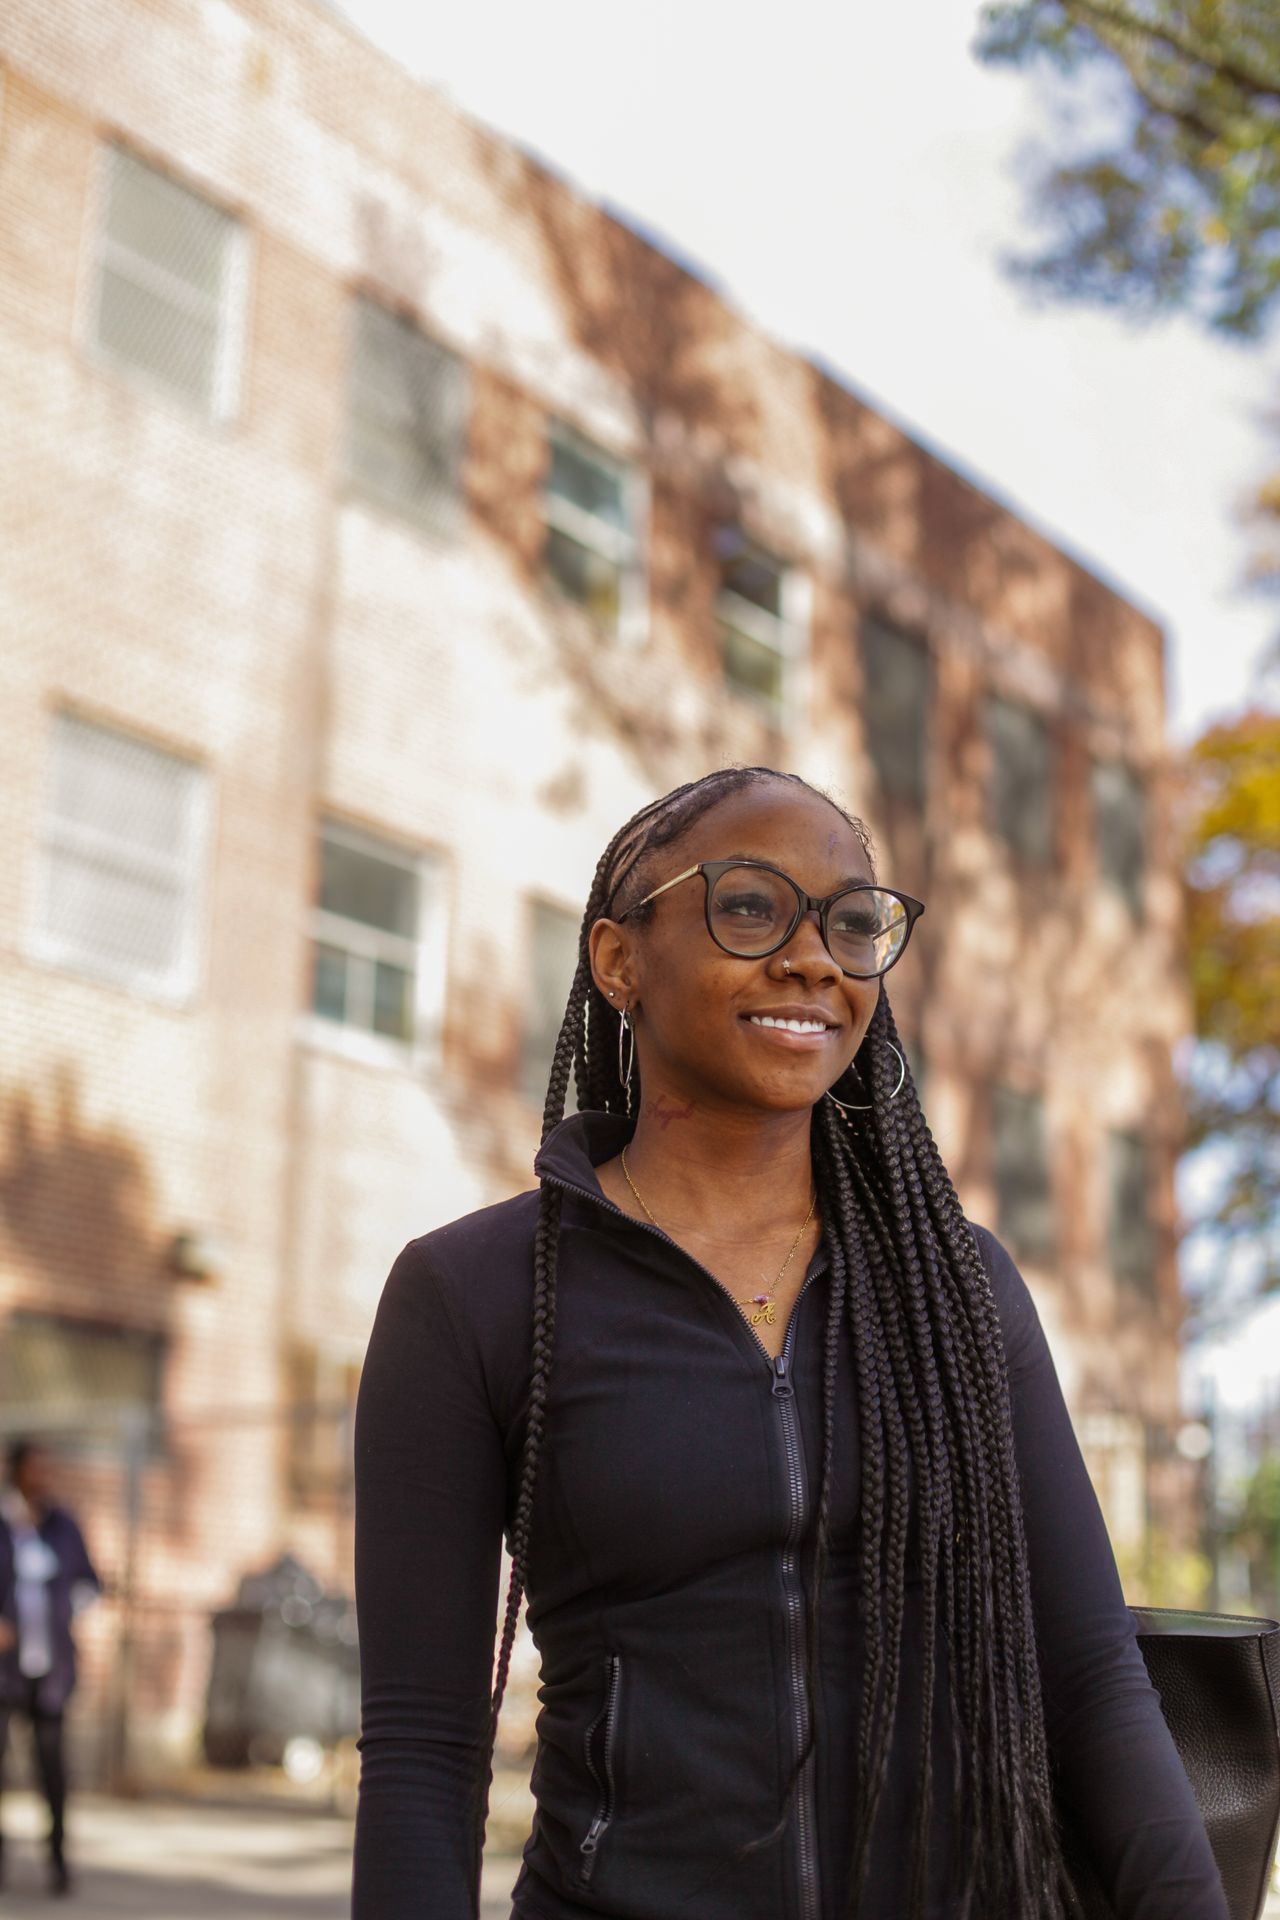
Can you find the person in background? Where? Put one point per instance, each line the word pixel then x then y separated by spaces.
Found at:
pixel 46 1578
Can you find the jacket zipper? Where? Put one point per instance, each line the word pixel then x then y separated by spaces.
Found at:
pixel 779 1366
pixel 604 1812
pixel 793 1590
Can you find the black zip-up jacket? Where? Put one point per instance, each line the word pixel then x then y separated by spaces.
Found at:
pixel 666 1592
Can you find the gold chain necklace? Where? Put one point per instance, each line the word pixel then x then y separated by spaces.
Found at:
pixel 764 1303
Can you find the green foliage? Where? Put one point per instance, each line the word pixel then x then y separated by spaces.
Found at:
pixel 1181 211
pixel 1255 1529
pixel 1229 805
pixel 1163 1573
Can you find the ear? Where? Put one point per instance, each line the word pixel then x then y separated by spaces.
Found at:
pixel 609 949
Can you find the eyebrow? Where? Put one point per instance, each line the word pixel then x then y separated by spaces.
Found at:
pixel 849 880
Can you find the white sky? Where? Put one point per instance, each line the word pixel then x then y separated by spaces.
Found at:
pixel 848 174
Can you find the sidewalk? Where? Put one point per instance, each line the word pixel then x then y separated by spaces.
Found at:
pixel 166 1860
pixel 171 1860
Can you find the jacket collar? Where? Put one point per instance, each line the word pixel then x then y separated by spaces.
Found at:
pixel 579 1143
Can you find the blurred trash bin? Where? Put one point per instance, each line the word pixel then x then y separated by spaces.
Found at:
pixel 285 1668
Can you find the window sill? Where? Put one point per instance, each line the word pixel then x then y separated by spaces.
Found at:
pixel 316 1035
pixel 179 996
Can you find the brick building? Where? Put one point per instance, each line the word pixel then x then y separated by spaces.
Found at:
pixel 383 523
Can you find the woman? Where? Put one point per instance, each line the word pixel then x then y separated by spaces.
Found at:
pixel 46 1576
pixel 828 1619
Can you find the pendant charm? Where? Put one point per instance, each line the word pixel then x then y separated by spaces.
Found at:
pixel 764 1309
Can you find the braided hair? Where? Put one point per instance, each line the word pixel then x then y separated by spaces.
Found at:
pixel 936 1439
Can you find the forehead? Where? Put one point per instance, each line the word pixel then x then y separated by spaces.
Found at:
pixel 791 827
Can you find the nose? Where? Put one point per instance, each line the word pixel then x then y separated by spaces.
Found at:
pixel 807 951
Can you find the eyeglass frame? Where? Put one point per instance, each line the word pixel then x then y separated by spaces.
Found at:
pixel 711 871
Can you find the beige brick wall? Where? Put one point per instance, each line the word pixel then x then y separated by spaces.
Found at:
pixel 216 590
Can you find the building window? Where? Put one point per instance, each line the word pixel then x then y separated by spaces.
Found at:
pixel 1130 1237
pixel 123 855
pixel 554 951
pixel 169 293
pixel 406 420
pixel 758 623
pixel 896 677
pixel 1024 1195
pixel 378 910
pixel 592 550
pixel 1118 811
pixel 321 1387
pixel 80 1379
pixel 1022 786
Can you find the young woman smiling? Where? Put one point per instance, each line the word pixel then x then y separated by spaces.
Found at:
pixel 828 1619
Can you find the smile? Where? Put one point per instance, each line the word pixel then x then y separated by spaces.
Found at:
pixel 805 1034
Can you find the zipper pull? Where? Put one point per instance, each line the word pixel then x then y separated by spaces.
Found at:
pixel 782 1387
pixel 592 1841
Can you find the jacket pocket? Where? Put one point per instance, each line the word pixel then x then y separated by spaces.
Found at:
pixel 599 1747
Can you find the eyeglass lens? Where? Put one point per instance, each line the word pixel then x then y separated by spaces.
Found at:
pixel 750 911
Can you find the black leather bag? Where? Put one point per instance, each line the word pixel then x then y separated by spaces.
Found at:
pixel 1218 1677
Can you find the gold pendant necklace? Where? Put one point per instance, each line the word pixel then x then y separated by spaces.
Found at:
pixel 764 1303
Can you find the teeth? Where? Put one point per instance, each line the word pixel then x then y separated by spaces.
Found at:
pixel 792 1026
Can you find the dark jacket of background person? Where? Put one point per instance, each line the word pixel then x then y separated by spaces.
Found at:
pixel 61 1534
pixel 660 1599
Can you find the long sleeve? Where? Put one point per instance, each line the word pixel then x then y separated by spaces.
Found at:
pixel 1117 1767
pixel 430 1484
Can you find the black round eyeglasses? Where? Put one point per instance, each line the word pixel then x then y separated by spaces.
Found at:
pixel 753 908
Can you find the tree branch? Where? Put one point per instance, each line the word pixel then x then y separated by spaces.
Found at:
pixel 1257 85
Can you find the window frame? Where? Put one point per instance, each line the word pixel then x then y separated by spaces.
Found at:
pixel 231 306
pixel 1138 1286
pixel 534 902
pixel 109 1422
pixel 626 548
pixel 1037 859
pixel 870 618
pixel 181 985
pixel 321 1380
pixel 423 1051
pixel 1135 902
pixel 1034 1253
pixel 444 525
pixel 785 633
